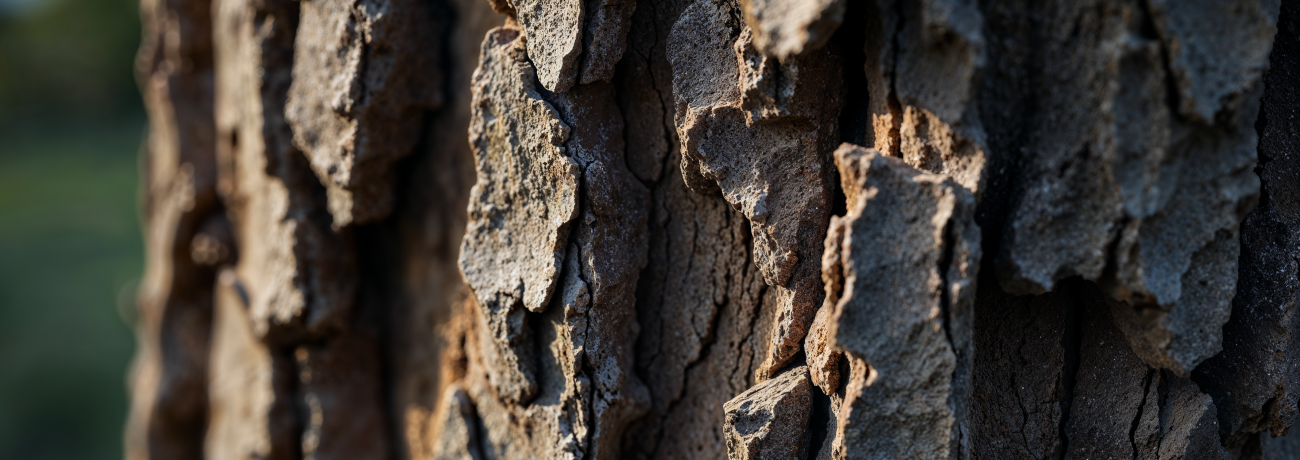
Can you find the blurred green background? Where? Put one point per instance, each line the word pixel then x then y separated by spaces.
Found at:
pixel 71 125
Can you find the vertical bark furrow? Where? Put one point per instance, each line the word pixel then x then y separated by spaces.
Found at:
pixel 293 335
pixel 611 237
pixel 253 387
pixel 696 348
pixel 1255 380
pixel 178 181
pixel 701 293
pixel 427 301
pixel 769 156
pixel 1019 391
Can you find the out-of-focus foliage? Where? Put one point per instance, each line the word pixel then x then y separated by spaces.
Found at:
pixel 70 251
pixel 68 59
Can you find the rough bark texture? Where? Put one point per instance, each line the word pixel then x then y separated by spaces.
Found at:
pixel 169 388
pixel 909 252
pixel 363 73
pixel 748 229
pixel 770 420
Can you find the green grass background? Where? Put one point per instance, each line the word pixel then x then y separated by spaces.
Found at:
pixel 70 246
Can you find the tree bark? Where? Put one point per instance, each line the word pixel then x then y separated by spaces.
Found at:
pixel 754 229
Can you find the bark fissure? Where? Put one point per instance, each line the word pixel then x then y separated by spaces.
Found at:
pixel 894 105
pixel 1020 400
pixel 1137 418
pixel 1072 348
pixel 707 338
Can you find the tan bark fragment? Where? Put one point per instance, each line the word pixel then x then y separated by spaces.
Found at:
pixel 554 34
pixel 520 210
pixel 364 72
pixel 788 28
pixel 770 420
pixel 910 254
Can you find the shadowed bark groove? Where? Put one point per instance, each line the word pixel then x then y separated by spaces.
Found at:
pixel 169 378
pixel 606 229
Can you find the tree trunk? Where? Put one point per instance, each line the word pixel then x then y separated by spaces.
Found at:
pixel 706 228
